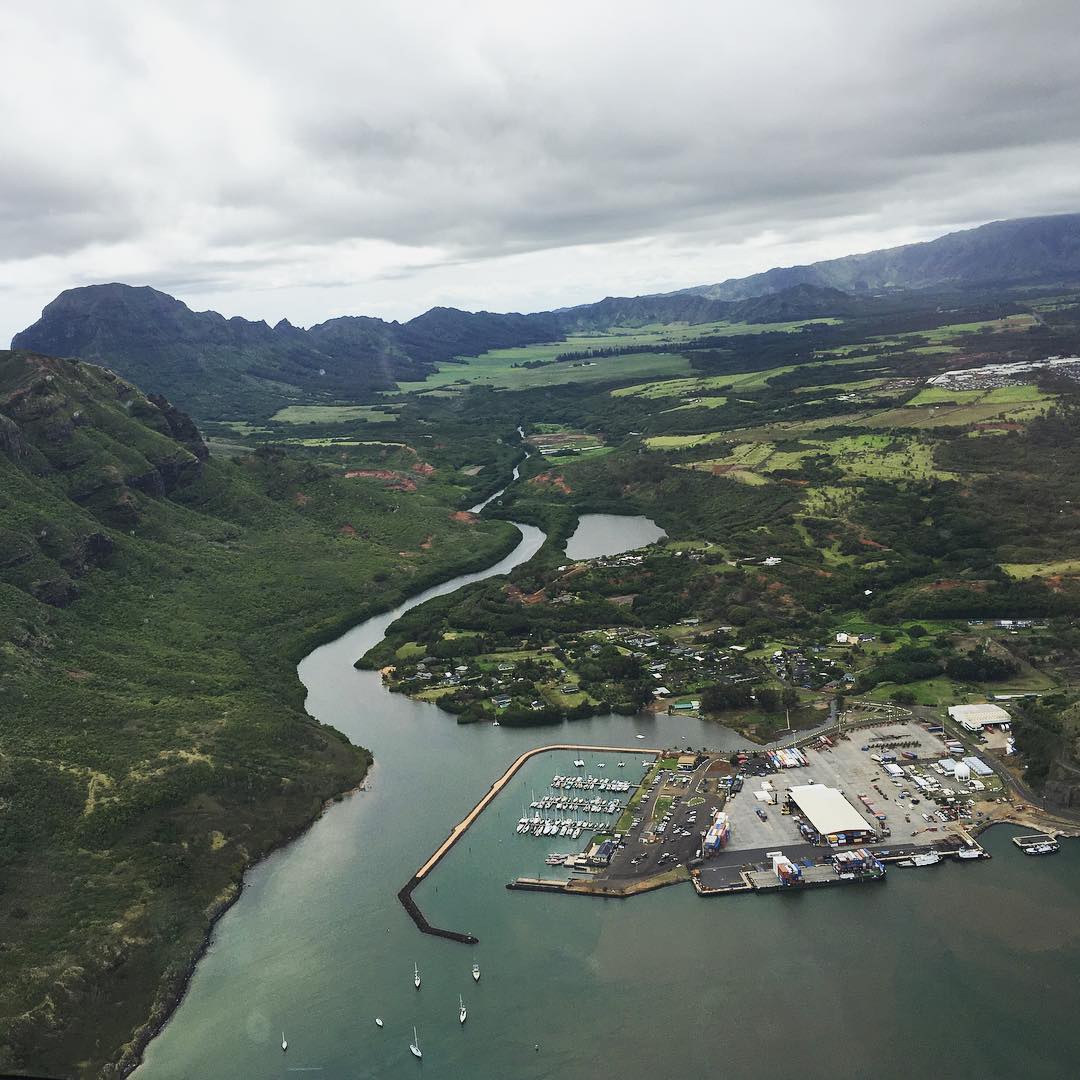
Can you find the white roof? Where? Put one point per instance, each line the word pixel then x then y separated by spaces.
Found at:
pixel 827 810
pixel 979 715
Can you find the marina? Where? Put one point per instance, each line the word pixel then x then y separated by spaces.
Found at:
pixel 318 898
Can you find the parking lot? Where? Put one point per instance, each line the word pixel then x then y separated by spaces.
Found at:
pixel 648 849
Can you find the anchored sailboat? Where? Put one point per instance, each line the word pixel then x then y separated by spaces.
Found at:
pixel 462 1014
pixel 414 1046
pixel 416 976
pixel 284 1044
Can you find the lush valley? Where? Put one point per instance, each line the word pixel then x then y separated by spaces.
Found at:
pixel 844 518
pixel 153 603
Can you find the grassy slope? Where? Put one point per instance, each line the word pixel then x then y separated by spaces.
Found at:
pixel 154 742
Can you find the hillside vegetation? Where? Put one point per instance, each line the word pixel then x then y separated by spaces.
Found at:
pixel 153 603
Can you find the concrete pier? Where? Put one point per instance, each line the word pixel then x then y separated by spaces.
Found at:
pixel 459 830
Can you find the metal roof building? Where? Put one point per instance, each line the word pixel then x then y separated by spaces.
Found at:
pixel 829 812
pixel 974 717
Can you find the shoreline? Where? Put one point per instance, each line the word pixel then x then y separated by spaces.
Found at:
pixel 169 1001
pixel 173 989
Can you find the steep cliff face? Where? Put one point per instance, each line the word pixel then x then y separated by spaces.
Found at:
pixel 96 439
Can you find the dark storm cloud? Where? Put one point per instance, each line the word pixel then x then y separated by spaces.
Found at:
pixel 278 150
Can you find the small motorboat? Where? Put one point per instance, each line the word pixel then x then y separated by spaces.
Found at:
pixel 416 976
pixel 284 1043
pixel 639 736
pixel 378 1021
pixel 476 972
pixel 462 1014
pixel 414 1046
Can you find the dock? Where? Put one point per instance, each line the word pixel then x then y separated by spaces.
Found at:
pixel 463 826
pixel 1036 844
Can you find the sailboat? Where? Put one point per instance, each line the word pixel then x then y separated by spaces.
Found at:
pixel 476 972
pixel 416 976
pixel 414 1046
pixel 462 1014
pixel 284 1044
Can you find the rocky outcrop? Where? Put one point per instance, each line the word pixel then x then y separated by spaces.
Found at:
pixel 12 441
pixel 88 551
pixel 181 427
pixel 59 591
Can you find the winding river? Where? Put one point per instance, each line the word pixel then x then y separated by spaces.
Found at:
pixel 962 970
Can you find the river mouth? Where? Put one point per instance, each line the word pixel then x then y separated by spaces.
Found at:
pixel 597 535
pixel 318 945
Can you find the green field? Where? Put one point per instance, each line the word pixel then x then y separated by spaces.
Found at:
pixel 1004 395
pixel 333 414
pixel 751 380
pixel 1022 571
pixel 881 457
pixel 496 369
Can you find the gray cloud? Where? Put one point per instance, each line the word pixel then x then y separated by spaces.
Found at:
pixel 307 161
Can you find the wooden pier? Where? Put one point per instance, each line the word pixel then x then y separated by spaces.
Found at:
pixel 463 826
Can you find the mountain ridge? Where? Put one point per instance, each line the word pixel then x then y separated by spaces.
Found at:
pixel 218 367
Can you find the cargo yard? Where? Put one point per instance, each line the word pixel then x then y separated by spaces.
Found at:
pixel 834 810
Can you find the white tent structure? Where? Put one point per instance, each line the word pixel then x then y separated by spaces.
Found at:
pixel 829 812
pixel 976 717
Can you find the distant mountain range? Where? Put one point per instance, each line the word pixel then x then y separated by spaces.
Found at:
pixel 216 367
pixel 1017 252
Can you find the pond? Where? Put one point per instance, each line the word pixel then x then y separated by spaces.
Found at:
pixel 610 534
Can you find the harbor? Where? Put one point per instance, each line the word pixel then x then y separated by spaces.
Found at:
pixel 319 899
pixel 836 810
pixel 591 808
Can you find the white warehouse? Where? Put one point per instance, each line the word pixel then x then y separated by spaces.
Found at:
pixel 976 717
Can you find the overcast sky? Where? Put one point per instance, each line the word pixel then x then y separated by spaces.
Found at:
pixel 315 159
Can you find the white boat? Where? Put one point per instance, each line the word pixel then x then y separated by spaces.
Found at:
pixel 602 765
pixel 416 976
pixel 414 1046
pixel 462 1014
pixel 378 1021
pixel 476 972
pixel 969 853
pixel 639 736
pixel 579 764
pixel 622 764
pixel 927 858
pixel 284 1044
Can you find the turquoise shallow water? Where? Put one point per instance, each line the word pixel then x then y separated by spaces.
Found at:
pixel 953 971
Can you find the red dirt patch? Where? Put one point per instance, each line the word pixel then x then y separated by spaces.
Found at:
pixel 515 594
pixel 949 584
pixel 552 479
pixel 423 468
pixel 347 530
pixel 301 499
pixel 464 517
pixel 429 541
pixel 867 542
pixel 77 674
pixel 394 480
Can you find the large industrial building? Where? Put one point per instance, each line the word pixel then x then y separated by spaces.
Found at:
pixel 831 815
pixel 976 717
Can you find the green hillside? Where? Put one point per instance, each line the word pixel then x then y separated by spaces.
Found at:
pixel 153 603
